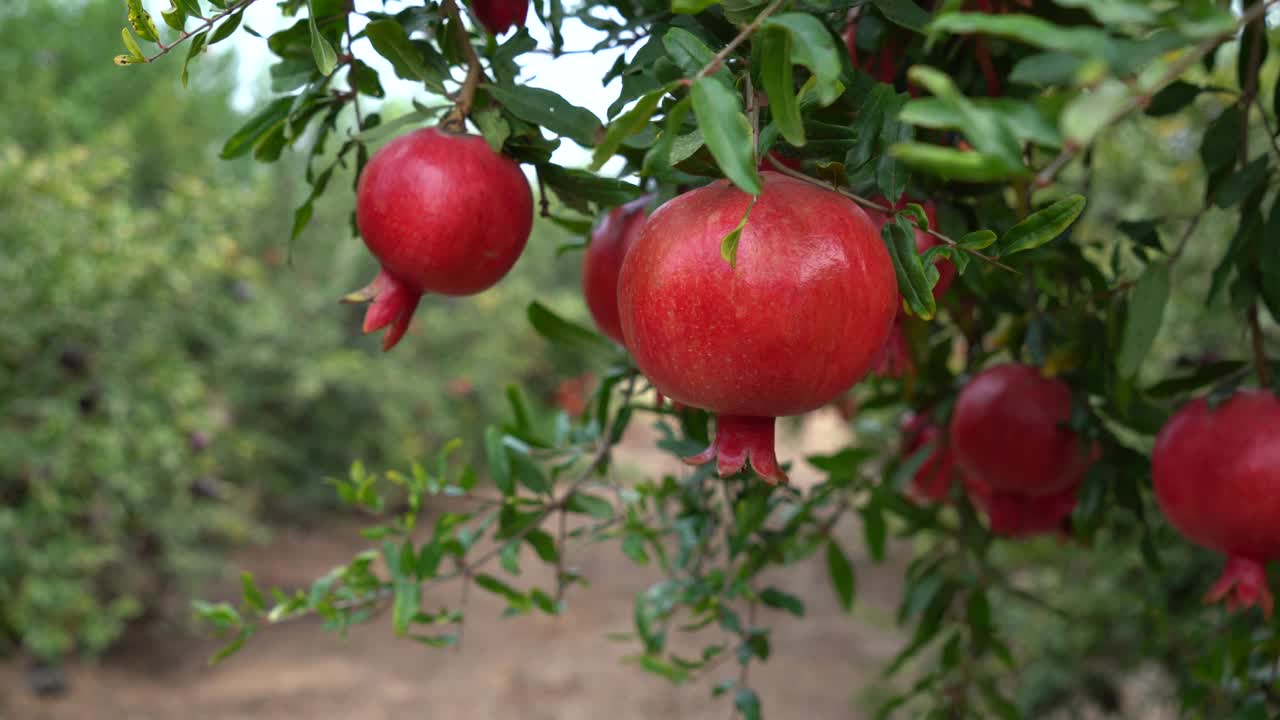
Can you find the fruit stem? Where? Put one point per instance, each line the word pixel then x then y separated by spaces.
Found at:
pixel 456 120
pixel 1259 349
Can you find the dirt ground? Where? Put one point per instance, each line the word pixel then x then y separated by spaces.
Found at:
pixel 530 668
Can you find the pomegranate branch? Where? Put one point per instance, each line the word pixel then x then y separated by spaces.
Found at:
pixel 457 118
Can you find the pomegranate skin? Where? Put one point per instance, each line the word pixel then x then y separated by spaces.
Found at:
pixel 499 16
pixel 1217 478
pixel 1008 429
pixel 932 481
pixel 442 213
pixel 793 325
pixel 603 261
pixel 1020 516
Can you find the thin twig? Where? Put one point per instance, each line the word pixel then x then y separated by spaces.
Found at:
pixel 456 120
pixel 746 32
pixel 880 208
pixel 208 22
pixel 1259 349
pixel 1141 100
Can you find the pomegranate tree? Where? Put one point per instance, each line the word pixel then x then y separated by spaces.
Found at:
pixel 603 261
pixel 1217 479
pixel 442 213
pixel 784 331
pixel 499 16
pixel 1022 463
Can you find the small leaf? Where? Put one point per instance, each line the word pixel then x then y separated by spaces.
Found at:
pixel 257 127
pixel 913 283
pixel 691 54
pixel 548 110
pixel 141 21
pixel 252 595
pixel 627 124
pixel 195 47
pixel 977 240
pixel 131 45
pixel 228 26
pixel 591 505
pixel 391 42
pixel 903 12
pixel 953 164
pixel 729 244
pixel 1173 98
pixel 726 131
pixel 776 598
pixel 691 7
pixel 326 58
pixel 1048 68
pixel 175 17
pixel 406 602
pixel 1146 314
pixel 776 76
pixel 747 703
pixel 1043 226
pixel 499 463
pixel 811 46
pixel 570 335
pixel 841 571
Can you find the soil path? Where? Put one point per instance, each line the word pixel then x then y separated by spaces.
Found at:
pixel 527 668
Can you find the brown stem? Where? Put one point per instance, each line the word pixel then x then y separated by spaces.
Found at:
pixel 881 208
pixel 456 120
pixel 208 23
pixel 1260 362
pixel 746 32
pixel 1141 100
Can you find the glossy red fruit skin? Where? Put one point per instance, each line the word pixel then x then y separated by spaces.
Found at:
pixel 499 16
pixel 932 482
pixel 442 213
pixel 1217 478
pixel 793 325
pixel 1008 430
pixel 603 261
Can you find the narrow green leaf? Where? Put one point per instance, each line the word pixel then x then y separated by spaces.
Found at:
pixel 841 572
pixel 570 335
pixel 249 591
pixel 257 127
pixel 747 703
pixel 812 46
pixel 775 598
pixel 777 78
pixel 1043 226
pixel 952 164
pixel 1173 98
pixel 977 240
pixel 391 42
pixel 691 54
pixel 913 283
pixel 591 505
pixel 405 603
pixel 131 45
pixel 175 17
pixel 903 12
pixel 986 129
pixel 326 58
pixel 499 462
pixel 729 244
pixel 627 124
pixel 658 161
pixel 1146 314
pixel 1047 68
pixel 234 646
pixel 691 7
pixel 224 30
pixel 874 529
pixel 141 21
pixel 194 48
pixel 548 110
pixel 726 131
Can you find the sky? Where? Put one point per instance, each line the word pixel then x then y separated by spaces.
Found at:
pixel 575 76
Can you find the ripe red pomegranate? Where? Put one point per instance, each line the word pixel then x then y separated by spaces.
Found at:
pixel 894 359
pixel 932 481
pixel 603 261
pixel 1217 479
pixel 788 329
pixel 499 16
pixel 1009 433
pixel 442 213
pixel 1020 516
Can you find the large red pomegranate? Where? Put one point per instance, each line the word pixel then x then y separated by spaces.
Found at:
pixel 442 213
pixel 932 481
pixel 499 16
pixel 1009 433
pixel 603 261
pixel 783 332
pixel 1217 479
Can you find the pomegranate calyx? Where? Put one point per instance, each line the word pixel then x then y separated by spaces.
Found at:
pixel 741 440
pixel 393 304
pixel 1243 584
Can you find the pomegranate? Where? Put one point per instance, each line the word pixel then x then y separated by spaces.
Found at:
pixel 1217 479
pixel 785 331
pixel 603 261
pixel 442 213
pixel 932 481
pixel 499 16
pixel 894 359
pixel 1010 437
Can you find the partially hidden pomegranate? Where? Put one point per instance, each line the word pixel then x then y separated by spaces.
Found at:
pixel 1217 479
pixel 442 213
pixel 1022 463
pixel 894 359
pixel 603 261
pixel 499 16
pixel 932 481
pixel 785 331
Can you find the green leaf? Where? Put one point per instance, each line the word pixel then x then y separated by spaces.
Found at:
pixel 952 164
pixel 571 336
pixel 1091 112
pixel 1114 12
pixel 495 451
pixel 256 129
pixel 1269 261
pixel 811 46
pixel 131 45
pixel 1043 226
pixel 141 21
pixel 1047 68
pixel 228 26
pixel 194 48
pixel 747 703
pixel 249 591
pixel 234 646
pixel 1027 121
pixel 548 110
pixel 493 127
pixel 1146 314
pixel 726 131
pixel 691 54
pixel 903 12
pixel 406 602
pixel 986 129
pixel 516 598
pixel 691 7
pixel 658 160
pixel 627 124
pixel 326 58
pixel 841 572
pixel 1173 98
pixel 391 42
pixel 597 508
pixel 175 17
pixel 663 669
pixel 874 529
pixel 1221 138
pixel 913 283
pixel 775 598
pixel 729 244
pixel 1029 29
pixel 776 76
pixel 1238 185
pixel 977 240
